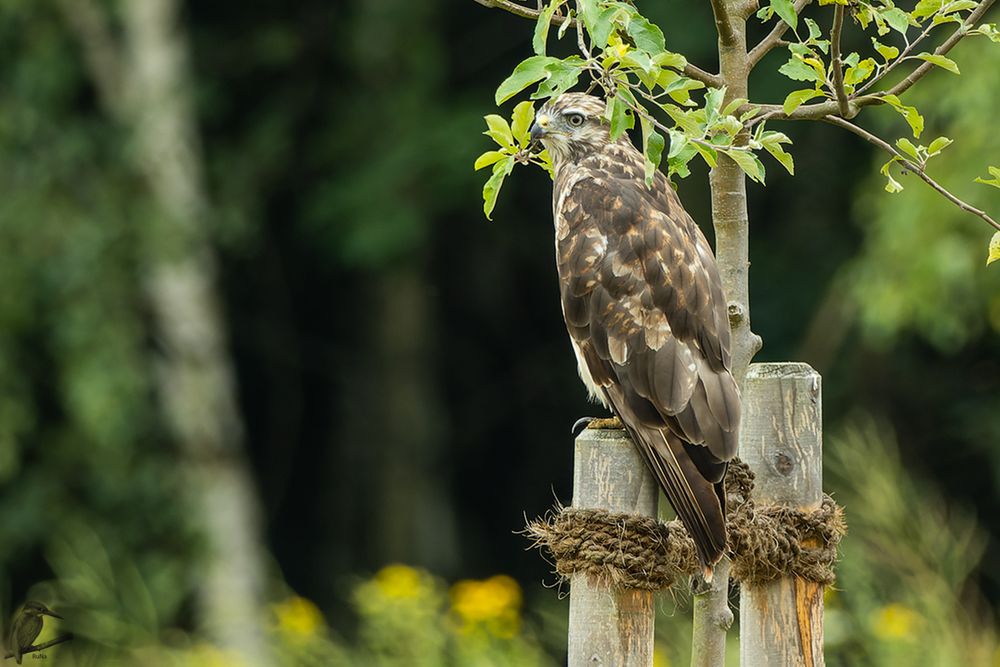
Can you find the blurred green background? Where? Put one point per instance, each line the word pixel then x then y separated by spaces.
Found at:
pixel 273 391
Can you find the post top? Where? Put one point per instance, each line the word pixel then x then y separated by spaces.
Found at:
pixel 604 435
pixel 780 369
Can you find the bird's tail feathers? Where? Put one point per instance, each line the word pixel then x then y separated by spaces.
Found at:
pixel 698 502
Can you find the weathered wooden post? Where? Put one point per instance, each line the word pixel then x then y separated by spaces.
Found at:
pixel 781 623
pixel 610 626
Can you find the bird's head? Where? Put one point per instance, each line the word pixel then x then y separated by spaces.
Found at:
pixel 35 608
pixel 571 126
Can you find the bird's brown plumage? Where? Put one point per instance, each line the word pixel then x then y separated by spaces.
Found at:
pixel 644 307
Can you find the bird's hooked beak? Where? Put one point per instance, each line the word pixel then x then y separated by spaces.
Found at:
pixel 540 127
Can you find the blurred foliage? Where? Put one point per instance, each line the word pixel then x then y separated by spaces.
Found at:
pixel 908 566
pixel 922 267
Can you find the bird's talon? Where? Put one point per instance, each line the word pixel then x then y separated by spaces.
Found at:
pixel 581 424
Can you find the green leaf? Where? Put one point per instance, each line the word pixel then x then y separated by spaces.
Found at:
pixel 786 10
pixel 892 186
pixel 709 155
pixel 499 130
pixel 796 69
pixel 912 116
pixel 771 141
pixel 926 8
pixel 814 30
pixel 988 30
pixel 488 158
pixel 647 36
pixel 748 162
pixel 570 16
pixel 860 72
pixel 713 103
pixel 588 11
pixel 994 253
pixel 541 35
pixel 620 116
pixel 603 27
pixel 938 145
pixel 897 19
pixel 492 187
pixel 940 61
pixel 797 98
pixel 529 71
pixel 668 59
pixel 907 147
pixel 641 61
pixel 733 105
pixel 520 123
pixel 995 181
pixel 678 87
pixel 682 150
pixel 887 52
pixel 652 148
pixel 562 75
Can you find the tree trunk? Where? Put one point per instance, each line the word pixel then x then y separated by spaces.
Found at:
pixel 712 616
pixel 144 83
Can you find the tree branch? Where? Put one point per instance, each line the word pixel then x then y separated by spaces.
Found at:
pixel 902 56
pixel 689 70
pixel 818 111
pixel 41 647
pixel 912 166
pixel 838 65
pixel 517 9
pixel 946 46
pixel 723 22
pixel 773 38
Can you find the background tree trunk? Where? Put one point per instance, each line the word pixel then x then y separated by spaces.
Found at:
pixel 145 83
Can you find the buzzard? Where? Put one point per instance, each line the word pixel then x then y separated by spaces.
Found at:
pixel 645 311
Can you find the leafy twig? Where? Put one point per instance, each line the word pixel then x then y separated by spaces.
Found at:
pixel 912 166
pixel 946 46
pixel 689 70
pixel 517 9
pixel 902 56
pixel 773 38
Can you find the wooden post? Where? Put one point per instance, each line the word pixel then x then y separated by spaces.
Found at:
pixel 781 623
pixel 611 627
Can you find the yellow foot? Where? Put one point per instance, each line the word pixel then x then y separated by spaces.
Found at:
pixel 606 423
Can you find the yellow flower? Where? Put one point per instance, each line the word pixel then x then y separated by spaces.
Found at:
pixel 895 621
pixel 298 617
pixel 660 658
pixel 494 603
pixel 398 581
pixel 207 655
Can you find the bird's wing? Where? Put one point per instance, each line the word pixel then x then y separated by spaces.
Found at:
pixel 643 303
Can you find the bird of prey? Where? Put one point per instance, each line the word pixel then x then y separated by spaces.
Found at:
pixel 645 311
pixel 27 626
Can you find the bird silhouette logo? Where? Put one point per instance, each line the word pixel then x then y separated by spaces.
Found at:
pixel 26 628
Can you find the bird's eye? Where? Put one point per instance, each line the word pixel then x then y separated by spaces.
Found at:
pixel 575 119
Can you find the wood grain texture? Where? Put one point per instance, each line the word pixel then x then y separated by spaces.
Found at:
pixel 612 627
pixel 781 623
